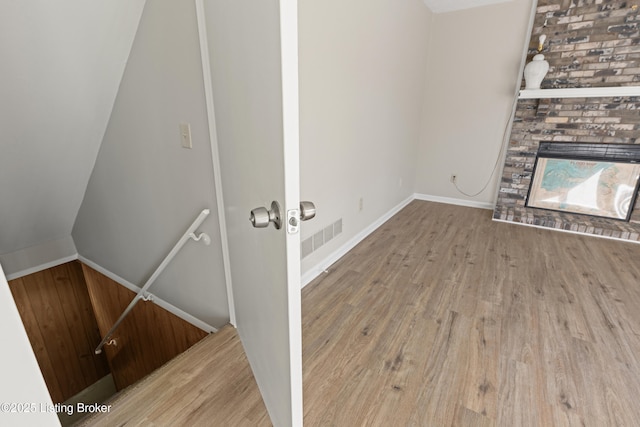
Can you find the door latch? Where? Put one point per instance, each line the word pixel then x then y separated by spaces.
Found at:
pixel 293 221
pixel 294 216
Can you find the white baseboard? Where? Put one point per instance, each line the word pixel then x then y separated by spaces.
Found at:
pixel 319 268
pixel 322 266
pixel 453 201
pixel 37 258
pixel 156 300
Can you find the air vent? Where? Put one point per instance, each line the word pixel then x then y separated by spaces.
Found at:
pixel 315 242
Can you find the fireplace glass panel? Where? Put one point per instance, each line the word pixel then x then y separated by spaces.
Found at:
pixel 599 187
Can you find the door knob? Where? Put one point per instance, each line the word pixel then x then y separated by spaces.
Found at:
pixel 307 210
pixel 261 217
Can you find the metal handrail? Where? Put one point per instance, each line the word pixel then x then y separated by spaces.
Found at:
pixel 189 234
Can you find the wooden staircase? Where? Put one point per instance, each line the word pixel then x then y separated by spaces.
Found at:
pixel 203 386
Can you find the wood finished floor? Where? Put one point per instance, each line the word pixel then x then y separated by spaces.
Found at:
pixel 210 385
pixel 444 318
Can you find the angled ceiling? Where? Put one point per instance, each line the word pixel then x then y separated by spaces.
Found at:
pixel 61 66
pixel 442 6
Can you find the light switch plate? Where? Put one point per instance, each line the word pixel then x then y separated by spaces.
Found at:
pixel 185 135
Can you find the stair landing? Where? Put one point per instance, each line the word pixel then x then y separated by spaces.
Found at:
pixel 205 385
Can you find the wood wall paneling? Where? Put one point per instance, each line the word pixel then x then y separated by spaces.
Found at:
pixel 147 338
pixel 57 314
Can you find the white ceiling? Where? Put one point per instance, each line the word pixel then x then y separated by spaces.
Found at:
pixel 62 62
pixel 441 6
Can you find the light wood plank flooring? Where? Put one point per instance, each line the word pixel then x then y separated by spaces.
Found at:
pixel 210 384
pixel 445 318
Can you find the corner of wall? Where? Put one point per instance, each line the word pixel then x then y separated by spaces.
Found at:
pixel 468 98
pixel 37 258
pixel 311 273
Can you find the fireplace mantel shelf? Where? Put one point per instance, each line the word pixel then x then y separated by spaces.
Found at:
pixel 580 92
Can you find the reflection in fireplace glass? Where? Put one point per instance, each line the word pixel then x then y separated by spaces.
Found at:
pixel 593 179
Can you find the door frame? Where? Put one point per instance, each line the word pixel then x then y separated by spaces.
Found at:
pixel 291 135
pixel 215 154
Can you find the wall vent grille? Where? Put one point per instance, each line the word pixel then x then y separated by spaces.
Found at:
pixel 316 241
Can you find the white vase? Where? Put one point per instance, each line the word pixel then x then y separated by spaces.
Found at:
pixel 535 71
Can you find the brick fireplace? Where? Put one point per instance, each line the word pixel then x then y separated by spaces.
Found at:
pixel 589 44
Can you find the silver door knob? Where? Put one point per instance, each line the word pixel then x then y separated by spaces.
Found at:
pixel 307 210
pixel 261 217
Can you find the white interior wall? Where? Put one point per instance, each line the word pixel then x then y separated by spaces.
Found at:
pixel 145 189
pixel 39 257
pixel 22 382
pixel 362 66
pixel 362 76
pixel 474 62
pixel 61 66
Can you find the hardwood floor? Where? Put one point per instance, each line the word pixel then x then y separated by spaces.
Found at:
pixel 445 318
pixel 210 384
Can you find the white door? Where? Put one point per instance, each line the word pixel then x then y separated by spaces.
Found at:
pixel 252 48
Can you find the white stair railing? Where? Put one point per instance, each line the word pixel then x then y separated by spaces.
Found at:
pixel 189 234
